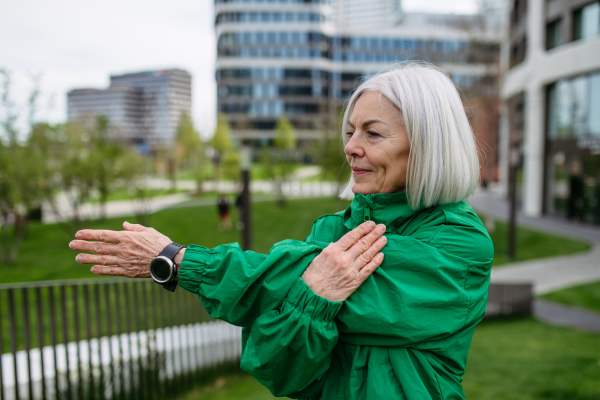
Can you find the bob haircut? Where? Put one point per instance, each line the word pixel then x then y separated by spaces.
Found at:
pixel 443 164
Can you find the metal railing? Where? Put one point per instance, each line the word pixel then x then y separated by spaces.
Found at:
pixel 128 339
pixel 506 299
pixel 107 338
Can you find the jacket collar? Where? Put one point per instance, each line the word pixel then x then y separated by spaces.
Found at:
pixel 391 209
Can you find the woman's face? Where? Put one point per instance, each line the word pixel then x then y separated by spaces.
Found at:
pixel 378 146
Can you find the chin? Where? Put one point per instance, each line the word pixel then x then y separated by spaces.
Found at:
pixel 363 189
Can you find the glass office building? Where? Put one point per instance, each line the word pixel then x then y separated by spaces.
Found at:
pixel 553 92
pixel 294 58
pixel 142 107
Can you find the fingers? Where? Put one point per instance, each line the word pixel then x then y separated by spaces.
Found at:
pixel 100 260
pixel 352 237
pixel 368 269
pixel 364 244
pixel 94 247
pixel 99 235
pixel 103 270
pixel 363 259
pixel 133 227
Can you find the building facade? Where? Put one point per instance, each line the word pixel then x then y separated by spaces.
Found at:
pixel 295 57
pixel 142 107
pixel 552 118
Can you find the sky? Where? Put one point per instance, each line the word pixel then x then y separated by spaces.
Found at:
pixel 68 44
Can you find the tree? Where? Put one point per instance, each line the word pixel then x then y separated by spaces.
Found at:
pixel 285 134
pixel 225 159
pixel 330 156
pixel 221 141
pixel 106 156
pixel 22 171
pixel 285 144
pixel 190 151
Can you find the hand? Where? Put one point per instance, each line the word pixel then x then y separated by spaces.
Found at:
pixel 125 253
pixel 344 265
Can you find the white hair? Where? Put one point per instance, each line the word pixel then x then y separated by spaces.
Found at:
pixel 443 164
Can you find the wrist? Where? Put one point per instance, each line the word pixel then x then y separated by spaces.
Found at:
pixel 178 259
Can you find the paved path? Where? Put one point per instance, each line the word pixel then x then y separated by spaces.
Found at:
pixel 123 208
pixel 560 314
pixel 547 274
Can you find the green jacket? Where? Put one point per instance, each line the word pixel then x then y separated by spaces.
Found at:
pixel 404 334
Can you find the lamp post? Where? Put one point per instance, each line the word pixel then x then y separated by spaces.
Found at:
pixel 515 157
pixel 245 164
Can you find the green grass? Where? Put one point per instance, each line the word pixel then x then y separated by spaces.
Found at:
pixel 584 296
pixel 509 360
pixel 532 244
pixel 231 387
pixel 45 252
pixel 529 360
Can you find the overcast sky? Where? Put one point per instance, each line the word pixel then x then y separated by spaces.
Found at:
pixel 79 43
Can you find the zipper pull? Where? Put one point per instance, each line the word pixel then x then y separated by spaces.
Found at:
pixel 367 212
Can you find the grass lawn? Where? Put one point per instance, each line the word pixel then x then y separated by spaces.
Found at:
pixel 45 253
pixel 231 387
pixel 532 244
pixel 584 296
pixel 509 360
pixel 527 360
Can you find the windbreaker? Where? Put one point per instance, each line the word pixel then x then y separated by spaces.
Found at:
pixel 403 334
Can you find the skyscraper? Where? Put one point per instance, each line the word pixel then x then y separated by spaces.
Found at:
pixel 299 58
pixel 143 107
pixel 370 14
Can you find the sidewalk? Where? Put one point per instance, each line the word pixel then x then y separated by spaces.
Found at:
pixel 547 274
pixel 123 208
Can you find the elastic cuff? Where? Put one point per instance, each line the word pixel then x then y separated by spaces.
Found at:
pixel 193 267
pixel 302 297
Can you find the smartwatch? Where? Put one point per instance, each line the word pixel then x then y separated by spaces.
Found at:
pixel 163 268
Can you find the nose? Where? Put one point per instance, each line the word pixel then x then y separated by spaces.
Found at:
pixel 354 147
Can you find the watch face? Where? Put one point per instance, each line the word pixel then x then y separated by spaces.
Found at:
pixel 161 269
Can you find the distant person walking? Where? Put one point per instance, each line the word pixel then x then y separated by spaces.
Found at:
pixel 224 215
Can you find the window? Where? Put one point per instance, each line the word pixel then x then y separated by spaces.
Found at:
pixel 572 108
pixel 587 21
pixel 554 34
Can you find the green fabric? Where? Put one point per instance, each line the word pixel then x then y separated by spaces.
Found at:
pixel 404 334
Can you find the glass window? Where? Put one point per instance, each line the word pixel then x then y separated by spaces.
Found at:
pixel 579 106
pixel 554 34
pixel 587 21
pixel 594 105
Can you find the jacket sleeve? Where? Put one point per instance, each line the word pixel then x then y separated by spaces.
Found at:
pixel 289 350
pixel 238 286
pixel 429 287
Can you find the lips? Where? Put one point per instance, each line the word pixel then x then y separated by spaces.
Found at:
pixel 359 171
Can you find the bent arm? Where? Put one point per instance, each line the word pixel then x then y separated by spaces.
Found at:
pixel 238 286
pixel 289 350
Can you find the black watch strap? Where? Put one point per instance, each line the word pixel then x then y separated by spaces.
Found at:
pixel 170 252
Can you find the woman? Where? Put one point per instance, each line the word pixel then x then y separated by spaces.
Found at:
pixel 320 319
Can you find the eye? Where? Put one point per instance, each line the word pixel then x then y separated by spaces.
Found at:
pixel 373 134
pixel 349 133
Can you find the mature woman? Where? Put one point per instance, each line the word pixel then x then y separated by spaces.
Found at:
pixel 320 319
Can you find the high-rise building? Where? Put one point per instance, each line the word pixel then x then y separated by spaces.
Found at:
pixel 296 57
pixel 551 125
pixel 143 107
pixel 370 14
